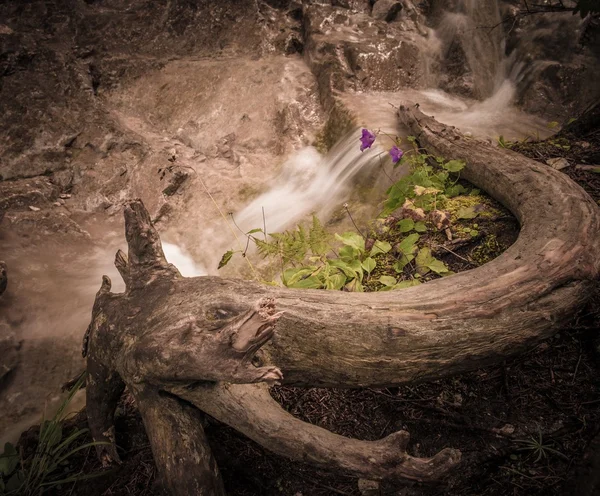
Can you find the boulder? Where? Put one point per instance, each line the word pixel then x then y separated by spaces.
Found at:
pixel 386 10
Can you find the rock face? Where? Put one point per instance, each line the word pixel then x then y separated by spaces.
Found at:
pixel 559 56
pixel 386 10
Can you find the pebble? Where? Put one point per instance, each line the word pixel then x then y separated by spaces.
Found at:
pixel 368 487
pixel 558 163
pixel 34 209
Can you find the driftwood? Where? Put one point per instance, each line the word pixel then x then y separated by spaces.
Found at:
pixel 186 345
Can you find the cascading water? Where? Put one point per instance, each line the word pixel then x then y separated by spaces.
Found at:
pixel 309 182
pixel 474 27
pixel 312 183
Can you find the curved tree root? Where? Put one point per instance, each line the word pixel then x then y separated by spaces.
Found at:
pixel 252 411
pixel 167 332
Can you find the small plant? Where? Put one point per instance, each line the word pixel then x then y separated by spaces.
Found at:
pixel 396 252
pixel 45 468
pixel 538 448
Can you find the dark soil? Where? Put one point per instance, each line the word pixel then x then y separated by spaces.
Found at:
pixel 522 427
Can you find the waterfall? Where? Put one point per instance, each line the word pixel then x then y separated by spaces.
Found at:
pixel 309 183
pixel 474 26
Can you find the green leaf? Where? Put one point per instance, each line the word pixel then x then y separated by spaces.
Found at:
pixel 474 192
pixel 404 260
pixel 455 190
pixel 225 258
pixel 356 266
pixel 474 232
pixel 380 247
pixel 335 281
pixel 387 280
pixel 420 227
pixel 427 262
pixel 312 282
pixel 438 266
pixel 255 231
pixel 8 460
pixel 466 213
pixel 294 275
pixel 407 245
pixel 454 165
pixel 424 258
pixel 352 239
pixel 354 286
pixel 406 225
pixel 343 266
pixel 407 284
pixel 348 253
pixel 369 264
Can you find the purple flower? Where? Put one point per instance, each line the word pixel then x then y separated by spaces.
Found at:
pixel 396 154
pixel 366 140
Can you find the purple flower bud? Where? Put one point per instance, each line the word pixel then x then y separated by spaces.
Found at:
pixel 366 140
pixel 396 154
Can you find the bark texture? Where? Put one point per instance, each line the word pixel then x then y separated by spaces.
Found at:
pixel 211 342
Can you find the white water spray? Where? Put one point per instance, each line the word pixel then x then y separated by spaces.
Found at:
pixel 309 183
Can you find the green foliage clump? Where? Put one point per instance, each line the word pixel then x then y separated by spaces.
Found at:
pixel 397 253
pixel 48 466
pixel 431 181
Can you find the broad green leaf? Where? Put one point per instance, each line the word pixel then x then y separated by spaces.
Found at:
pixel 225 258
pixel 407 284
pixel 369 264
pixel 354 286
pixel 420 227
pixel 424 258
pixel 466 213
pixel 406 225
pixel 312 282
pixel 348 253
pixel 387 280
pixel 407 245
pixel 380 247
pixel 335 281
pixel 343 266
pixel 356 266
pixel 294 275
pixel 404 260
pixel 474 192
pixel 454 165
pixel 438 266
pixel 352 239
pixel 258 230
pixel 455 190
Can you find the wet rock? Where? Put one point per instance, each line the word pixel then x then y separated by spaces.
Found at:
pixel 31 193
pixel 558 163
pixel 386 10
pixel 350 51
pixel 175 182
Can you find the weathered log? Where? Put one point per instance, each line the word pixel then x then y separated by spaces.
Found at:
pixel 194 338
